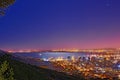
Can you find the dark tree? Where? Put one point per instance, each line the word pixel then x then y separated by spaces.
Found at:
pixel 6 72
pixel 4 4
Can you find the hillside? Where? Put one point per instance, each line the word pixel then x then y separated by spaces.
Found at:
pixel 24 71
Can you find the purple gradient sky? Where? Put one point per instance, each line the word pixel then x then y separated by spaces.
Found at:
pixel 52 24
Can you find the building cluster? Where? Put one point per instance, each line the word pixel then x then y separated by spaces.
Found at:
pixel 93 66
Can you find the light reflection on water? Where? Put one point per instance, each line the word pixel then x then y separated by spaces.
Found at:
pixel 51 54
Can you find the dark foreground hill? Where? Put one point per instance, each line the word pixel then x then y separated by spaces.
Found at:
pixel 24 71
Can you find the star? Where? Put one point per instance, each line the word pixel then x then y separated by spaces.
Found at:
pixel 108 3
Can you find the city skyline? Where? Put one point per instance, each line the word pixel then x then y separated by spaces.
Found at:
pixel 61 24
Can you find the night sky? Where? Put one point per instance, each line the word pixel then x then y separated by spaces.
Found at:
pixel 53 24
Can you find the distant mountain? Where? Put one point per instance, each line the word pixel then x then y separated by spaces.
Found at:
pixel 2 52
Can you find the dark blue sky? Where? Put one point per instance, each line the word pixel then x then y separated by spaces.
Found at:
pixel 52 24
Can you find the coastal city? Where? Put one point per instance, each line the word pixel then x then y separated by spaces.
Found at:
pixel 59 39
pixel 104 66
pixel 97 63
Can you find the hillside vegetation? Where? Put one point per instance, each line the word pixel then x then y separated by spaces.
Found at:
pixel 24 71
